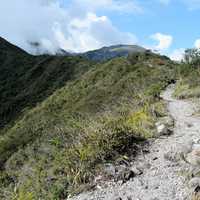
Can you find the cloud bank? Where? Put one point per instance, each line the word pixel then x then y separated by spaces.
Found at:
pixel 197 44
pixel 75 27
pixel 164 41
pixel 177 54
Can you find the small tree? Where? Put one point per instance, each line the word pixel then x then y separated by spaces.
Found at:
pixel 192 56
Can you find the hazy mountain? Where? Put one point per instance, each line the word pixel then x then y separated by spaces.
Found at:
pixel 107 53
pixel 102 54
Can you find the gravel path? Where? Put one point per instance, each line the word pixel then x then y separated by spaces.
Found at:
pixel 164 173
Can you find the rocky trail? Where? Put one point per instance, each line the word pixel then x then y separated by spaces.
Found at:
pixel 169 171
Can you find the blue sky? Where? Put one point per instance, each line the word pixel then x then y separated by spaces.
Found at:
pixel 168 26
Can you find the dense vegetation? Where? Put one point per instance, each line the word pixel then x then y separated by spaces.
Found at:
pixel 189 75
pixel 55 146
pixel 26 80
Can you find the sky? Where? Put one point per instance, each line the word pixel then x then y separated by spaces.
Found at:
pixel 167 26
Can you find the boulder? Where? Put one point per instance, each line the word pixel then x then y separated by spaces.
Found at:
pixel 137 171
pixel 194 157
pixel 165 126
pixel 194 182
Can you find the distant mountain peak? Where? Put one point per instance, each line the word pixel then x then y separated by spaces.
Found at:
pixel 106 53
pixel 6 46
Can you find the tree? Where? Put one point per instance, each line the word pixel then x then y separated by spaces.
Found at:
pixel 192 56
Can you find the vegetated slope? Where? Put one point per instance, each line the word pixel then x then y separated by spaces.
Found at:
pixel 188 85
pixel 188 75
pixel 165 156
pixel 107 53
pixel 60 144
pixel 26 80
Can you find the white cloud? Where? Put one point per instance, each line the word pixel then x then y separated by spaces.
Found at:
pixel 93 32
pixel 197 43
pixel 23 22
pixel 76 28
pixel 164 41
pixel 177 54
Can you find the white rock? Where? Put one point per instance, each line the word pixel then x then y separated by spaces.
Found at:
pixel 196 146
pixel 194 182
pixel 164 126
pixel 194 157
pixel 136 170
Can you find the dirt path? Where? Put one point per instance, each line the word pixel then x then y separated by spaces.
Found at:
pixel 164 173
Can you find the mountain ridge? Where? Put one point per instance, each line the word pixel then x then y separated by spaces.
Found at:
pixel 106 53
pixel 5 45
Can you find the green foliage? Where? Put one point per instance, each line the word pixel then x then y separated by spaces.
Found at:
pixel 188 74
pixel 181 90
pixel 184 91
pixel 24 196
pixel 192 56
pixel 142 122
pixel 158 109
pixel 27 80
pixel 95 118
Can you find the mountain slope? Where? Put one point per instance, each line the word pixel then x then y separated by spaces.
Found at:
pixel 26 80
pixel 107 53
pixel 59 144
pixel 7 48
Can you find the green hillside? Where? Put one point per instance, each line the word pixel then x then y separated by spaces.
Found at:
pixel 26 80
pixel 189 76
pixel 55 147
